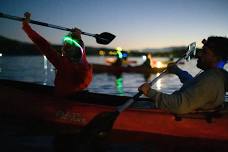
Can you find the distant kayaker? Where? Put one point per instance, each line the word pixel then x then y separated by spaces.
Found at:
pixel 121 59
pixel 205 91
pixel 150 62
pixel 74 73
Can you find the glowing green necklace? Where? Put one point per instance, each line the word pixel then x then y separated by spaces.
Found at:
pixel 71 41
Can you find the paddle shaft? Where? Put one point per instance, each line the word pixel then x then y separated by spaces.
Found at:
pixel 41 23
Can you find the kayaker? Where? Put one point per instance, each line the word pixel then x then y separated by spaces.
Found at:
pixel 121 59
pixel 205 91
pixel 74 73
pixel 150 62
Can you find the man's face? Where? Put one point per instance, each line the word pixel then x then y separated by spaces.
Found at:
pixel 206 58
pixel 66 48
pixel 71 52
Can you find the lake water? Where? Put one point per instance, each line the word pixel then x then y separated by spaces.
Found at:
pixel 37 69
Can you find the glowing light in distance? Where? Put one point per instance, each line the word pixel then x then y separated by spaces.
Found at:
pixel 144 57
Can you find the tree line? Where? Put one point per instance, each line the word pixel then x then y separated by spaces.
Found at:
pixel 14 47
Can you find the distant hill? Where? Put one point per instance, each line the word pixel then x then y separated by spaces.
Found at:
pixel 14 47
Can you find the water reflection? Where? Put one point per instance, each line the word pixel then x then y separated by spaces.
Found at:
pixel 158 84
pixel 1 64
pixel 120 79
pixel 119 84
pixel 45 70
pixel 147 76
pixel 38 70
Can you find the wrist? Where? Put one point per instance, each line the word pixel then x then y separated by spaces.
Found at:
pixel 25 24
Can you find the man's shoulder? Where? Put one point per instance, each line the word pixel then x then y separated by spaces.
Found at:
pixel 215 71
pixel 213 74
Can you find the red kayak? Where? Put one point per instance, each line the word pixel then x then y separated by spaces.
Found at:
pixel 140 123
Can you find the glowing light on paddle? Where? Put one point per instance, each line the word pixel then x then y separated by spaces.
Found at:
pixel 74 42
pixel 120 55
pixel 124 55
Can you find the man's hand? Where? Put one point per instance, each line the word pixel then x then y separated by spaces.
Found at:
pixel 145 89
pixel 27 16
pixel 172 68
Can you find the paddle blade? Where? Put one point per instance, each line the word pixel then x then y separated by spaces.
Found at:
pixel 191 51
pixel 97 129
pixel 104 38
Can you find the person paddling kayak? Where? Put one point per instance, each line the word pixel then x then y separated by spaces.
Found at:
pixel 74 73
pixel 204 92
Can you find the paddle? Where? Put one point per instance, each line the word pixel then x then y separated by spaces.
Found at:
pixel 99 127
pixel 103 38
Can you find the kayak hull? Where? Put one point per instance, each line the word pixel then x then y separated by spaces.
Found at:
pixel 37 106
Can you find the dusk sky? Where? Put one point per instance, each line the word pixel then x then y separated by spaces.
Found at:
pixel 138 24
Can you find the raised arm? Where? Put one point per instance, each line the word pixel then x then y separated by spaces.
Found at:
pixel 44 46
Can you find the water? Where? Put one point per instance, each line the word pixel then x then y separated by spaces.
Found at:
pixel 37 69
